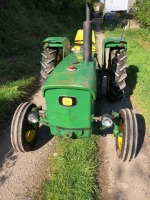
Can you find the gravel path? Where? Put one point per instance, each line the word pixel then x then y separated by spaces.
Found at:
pixel 124 180
pixel 22 173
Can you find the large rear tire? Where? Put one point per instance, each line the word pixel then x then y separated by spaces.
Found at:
pixel 116 74
pixel 48 63
pixel 23 133
pixel 126 143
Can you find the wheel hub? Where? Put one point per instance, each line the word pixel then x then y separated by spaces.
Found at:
pixel 29 135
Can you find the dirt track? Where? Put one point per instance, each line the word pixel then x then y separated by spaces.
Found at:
pixel 124 180
pixel 22 173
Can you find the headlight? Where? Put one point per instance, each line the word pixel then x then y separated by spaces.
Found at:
pixel 33 117
pixel 106 120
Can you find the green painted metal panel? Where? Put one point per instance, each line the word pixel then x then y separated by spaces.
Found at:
pixel 79 133
pixel 113 42
pixel 73 117
pixel 54 40
pixel 84 78
pixel 60 42
pixel 80 85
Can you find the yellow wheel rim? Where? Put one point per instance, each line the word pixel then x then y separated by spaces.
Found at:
pixel 119 139
pixel 119 143
pixel 29 135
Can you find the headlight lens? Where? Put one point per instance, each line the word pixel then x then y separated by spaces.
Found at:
pixel 33 117
pixel 107 120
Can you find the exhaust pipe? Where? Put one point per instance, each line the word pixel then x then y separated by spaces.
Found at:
pixel 87 35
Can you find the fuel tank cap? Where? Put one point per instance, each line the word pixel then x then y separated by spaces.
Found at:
pixel 72 68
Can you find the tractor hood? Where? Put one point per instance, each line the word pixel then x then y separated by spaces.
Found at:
pixel 79 78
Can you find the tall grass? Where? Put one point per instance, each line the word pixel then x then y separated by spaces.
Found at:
pixel 74 171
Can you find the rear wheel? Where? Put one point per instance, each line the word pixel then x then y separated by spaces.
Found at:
pixel 126 142
pixel 23 133
pixel 50 58
pixel 99 84
pixel 116 74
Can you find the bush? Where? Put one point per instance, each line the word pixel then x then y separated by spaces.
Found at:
pixel 141 11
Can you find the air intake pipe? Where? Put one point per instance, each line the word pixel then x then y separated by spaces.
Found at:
pixel 87 35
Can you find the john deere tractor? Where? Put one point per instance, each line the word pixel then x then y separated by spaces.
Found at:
pixel 72 82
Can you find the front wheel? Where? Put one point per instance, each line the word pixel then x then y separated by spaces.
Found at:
pixel 23 133
pixel 126 142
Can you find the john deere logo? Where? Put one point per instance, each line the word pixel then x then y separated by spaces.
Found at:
pixel 67 101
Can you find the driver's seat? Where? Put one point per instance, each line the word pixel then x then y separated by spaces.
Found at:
pixel 79 40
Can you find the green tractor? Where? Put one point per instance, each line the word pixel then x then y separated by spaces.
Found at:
pixel 72 82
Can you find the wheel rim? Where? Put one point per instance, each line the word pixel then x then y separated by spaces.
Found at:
pixel 119 138
pixel 119 142
pixel 23 134
pixel 29 135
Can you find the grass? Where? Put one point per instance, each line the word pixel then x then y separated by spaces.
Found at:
pixel 13 90
pixel 23 29
pixel 18 75
pixel 74 171
pixel 138 53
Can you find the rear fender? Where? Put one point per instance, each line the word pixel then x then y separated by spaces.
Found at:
pixel 58 42
pixel 115 42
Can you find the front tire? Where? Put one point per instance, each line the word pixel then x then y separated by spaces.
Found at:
pixel 126 142
pixel 23 133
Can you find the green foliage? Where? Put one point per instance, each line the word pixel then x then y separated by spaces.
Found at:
pixel 74 171
pixel 141 10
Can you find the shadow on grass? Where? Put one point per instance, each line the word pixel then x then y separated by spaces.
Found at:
pixel 131 80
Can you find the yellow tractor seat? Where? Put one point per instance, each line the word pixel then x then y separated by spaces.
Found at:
pixel 79 40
